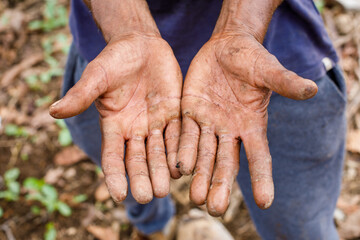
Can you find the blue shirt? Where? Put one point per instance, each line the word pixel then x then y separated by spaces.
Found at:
pixel 296 34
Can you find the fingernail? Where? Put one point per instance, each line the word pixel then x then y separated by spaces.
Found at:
pixel 55 103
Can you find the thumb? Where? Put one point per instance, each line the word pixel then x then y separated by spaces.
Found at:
pixel 285 82
pixel 91 85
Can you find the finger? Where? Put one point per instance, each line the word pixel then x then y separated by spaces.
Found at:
pixel 136 166
pixel 92 84
pixel 112 159
pixel 188 145
pixel 226 169
pixel 204 166
pixel 172 137
pixel 284 82
pixel 158 168
pixel 258 155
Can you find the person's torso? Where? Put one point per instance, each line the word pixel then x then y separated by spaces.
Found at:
pixel 296 35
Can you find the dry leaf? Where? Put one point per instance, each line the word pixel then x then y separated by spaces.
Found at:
pixel 69 156
pixel 53 175
pixel 41 119
pixel 353 141
pixel 350 228
pixel 11 74
pixel 102 233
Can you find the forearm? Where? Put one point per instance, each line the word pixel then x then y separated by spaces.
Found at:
pixel 246 16
pixel 117 18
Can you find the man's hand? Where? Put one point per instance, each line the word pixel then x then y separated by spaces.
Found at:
pixel 225 98
pixel 136 85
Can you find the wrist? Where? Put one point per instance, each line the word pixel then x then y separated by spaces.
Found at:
pixel 246 17
pixel 121 18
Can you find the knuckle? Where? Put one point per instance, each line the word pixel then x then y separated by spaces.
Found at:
pixel 139 174
pixel 206 154
pixel 261 177
pixel 136 158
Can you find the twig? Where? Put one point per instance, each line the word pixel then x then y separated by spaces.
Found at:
pixel 7 231
pixel 11 74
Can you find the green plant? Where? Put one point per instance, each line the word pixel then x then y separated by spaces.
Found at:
pixel 43 101
pixel 50 44
pixel 13 130
pixel 1 212
pixel 4 20
pixel 12 186
pixel 54 16
pixel 79 198
pixel 50 233
pixel 35 210
pixel 64 137
pixel 47 195
pixel 320 4
pixel 56 42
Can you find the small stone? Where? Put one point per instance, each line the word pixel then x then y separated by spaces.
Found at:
pixel 70 173
pixel 71 231
pixel 102 193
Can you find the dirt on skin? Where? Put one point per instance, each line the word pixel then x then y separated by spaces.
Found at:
pixel 34 155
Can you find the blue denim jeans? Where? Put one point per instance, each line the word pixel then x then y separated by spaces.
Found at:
pixel 306 141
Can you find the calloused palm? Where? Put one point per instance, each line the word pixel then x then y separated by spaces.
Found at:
pixel 136 85
pixel 225 98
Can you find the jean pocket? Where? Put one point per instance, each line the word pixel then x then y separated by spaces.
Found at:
pixel 337 82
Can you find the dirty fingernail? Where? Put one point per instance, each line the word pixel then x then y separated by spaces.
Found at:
pixel 55 103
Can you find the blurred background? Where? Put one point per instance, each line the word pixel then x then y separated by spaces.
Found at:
pixel 48 187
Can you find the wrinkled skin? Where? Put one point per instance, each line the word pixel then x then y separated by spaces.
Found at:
pixel 225 98
pixel 136 84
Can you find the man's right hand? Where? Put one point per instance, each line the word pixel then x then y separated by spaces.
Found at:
pixel 136 85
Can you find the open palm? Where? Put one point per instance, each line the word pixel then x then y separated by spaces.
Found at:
pixel 136 85
pixel 225 98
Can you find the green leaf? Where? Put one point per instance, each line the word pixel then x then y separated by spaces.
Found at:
pixel 47 45
pixel 4 20
pixel 11 174
pixel 14 187
pixel 320 4
pixel 15 131
pixel 98 170
pixel 11 129
pixel 22 132
pixel 45 77
pixel 24 156
pixel 33 183
pixel 35 210
pixel 35 25
pixel 49 11
pixel 56 72
pixel 49 204
pixel 124 226
pixel 63 40
pixel 61 123
pixel 1 212
pixel 64 137
pixel 50 233
pixel 49 192
pixel 64 209
pixel 33 82
pixel 43 101
pixel 51 61
pixel 9 196
pixel 80 198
